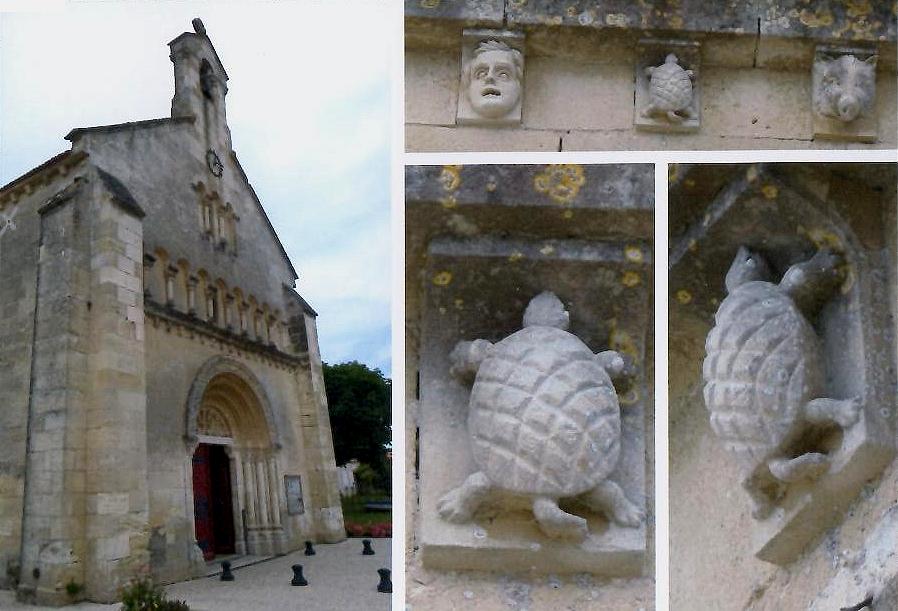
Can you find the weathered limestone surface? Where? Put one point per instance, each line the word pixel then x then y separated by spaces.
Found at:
pixel 147 306
pixel 756 90
pixel 787 212
pixel 481 242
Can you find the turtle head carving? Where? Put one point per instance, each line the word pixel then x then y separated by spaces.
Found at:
pixel 546 310
pixel 811 282
pixel 747 267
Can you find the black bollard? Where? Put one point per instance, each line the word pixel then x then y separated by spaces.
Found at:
pixel 385 585
pixel 298 579
pixel 366 548
pixel 226 574
pixel 310 551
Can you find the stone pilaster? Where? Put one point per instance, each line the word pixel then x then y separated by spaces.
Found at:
pixel 85 509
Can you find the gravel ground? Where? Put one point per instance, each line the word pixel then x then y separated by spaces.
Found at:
pixel 339 576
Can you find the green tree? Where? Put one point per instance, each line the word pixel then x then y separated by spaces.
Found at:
pixel 358 400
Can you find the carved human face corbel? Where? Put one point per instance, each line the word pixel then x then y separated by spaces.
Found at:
pixel 492 79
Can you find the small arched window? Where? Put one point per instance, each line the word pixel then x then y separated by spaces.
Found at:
pixel 207 80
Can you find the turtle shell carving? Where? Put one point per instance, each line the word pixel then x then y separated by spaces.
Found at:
pixel 544 416
pixel 763 365
pixel 764 373
pixel 670 89
pixel 544 423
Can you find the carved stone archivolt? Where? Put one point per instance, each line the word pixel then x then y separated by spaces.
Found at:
pixel 543 422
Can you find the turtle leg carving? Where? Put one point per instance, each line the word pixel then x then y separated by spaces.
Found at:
pixel 844 412
pixel 460 504
pixel 807 466
pixel 466 358
pixel 557 523
pixel 761 504
pixel 608 498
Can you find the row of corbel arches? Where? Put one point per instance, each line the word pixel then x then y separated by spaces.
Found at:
pixel 173 283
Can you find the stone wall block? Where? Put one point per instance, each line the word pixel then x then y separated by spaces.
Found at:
pixel 466 11
pixel 597 96
pixel 431 83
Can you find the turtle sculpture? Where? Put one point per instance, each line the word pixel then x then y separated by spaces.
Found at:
pixel 544 424
pixel 670 90
pixel 764 374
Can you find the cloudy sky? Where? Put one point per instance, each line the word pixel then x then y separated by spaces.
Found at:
pixel 308 106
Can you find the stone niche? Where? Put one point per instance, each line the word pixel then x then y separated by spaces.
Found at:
pixel 787 214
pixel 843 93
pixel 668 88
pixel 483 241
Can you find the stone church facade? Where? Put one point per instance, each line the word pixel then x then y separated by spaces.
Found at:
pixel 160 382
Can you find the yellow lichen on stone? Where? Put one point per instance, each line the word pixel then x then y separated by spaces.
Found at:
pixel 515 256
pixel 629 398
pixel 548 249
pixel 430 3
pixel 449 202
pixel 769 191
pixel 568 214
pixel 693 245
pixel 621 341
pixel 631 279
pixel 850 277
pixel 617 19
pixel 816 19
pixel 561 182
pixel 450 177
pixel 672 171
pixel 442 278
pixel 752 174
pixel 823 238
pixel 858 8
pixel 459 302
pixel 684 296
pixel 633 253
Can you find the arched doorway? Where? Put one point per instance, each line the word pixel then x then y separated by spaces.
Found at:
pixel 233 447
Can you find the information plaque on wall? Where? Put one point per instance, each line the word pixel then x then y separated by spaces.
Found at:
pixel 293 485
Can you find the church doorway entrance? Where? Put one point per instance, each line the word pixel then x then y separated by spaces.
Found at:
pixel 237 484
pixel 213 501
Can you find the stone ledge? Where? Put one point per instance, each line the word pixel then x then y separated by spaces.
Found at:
pixel 750 34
